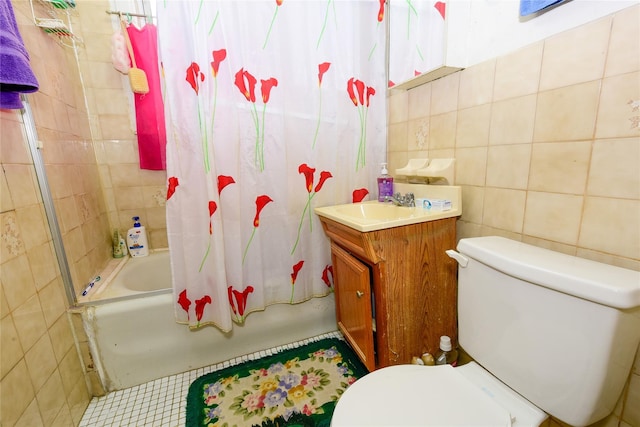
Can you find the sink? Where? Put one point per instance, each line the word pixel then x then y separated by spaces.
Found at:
pixel 375 211
pixel 373 215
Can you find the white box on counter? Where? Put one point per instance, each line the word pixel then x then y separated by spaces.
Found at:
pixel 433 204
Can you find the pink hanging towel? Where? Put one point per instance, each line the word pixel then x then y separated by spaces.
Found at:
pixel 152 135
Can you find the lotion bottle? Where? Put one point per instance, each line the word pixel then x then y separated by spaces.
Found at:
pixel 137 242
pixel 385 184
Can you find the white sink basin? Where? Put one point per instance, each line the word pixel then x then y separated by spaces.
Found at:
pixel 371 216
pixel 375 211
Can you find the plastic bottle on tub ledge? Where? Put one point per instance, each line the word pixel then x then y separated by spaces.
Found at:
pixel 119 245
pixel 137 242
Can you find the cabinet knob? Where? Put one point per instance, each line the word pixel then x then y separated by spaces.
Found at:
pixel 359 294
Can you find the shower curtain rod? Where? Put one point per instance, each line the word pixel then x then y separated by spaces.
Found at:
pixel 117 12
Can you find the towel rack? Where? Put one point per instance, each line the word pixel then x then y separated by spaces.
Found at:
pixel 149 19
pixel 139 15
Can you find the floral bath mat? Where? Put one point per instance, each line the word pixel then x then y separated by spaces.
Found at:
pixel 297 387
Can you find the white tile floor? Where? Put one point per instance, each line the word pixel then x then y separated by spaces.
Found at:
pixel 161 403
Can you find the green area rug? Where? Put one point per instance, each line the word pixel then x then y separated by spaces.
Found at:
pixel 297 387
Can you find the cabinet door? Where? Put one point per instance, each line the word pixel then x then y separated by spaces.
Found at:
pixel 353 303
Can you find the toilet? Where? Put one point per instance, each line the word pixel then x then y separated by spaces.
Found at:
pixel 549 334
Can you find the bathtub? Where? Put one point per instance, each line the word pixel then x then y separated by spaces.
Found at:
pixel 133 337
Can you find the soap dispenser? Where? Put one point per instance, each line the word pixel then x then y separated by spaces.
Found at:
pixel 385 184
pixel 137 239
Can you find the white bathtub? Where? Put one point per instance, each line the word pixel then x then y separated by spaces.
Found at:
pixel 133 337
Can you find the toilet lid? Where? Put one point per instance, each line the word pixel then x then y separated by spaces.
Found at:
pixel 412 395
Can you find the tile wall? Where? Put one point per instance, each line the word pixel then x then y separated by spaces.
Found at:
pixel 128 190
pixel 547 146
pixel 90 153
pixel 42 381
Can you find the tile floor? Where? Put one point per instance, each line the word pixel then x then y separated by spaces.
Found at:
pixel 161 403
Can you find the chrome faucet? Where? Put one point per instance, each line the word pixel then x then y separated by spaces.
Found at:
pixel 400 200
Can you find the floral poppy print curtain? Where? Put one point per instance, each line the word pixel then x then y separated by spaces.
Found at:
pixel 273 107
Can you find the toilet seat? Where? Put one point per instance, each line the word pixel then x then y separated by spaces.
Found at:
pixel 412 395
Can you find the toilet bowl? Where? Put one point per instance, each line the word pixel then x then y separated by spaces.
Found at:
pixel 517 305
pixel 415 395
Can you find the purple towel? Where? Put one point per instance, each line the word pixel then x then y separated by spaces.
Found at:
pixel 15 73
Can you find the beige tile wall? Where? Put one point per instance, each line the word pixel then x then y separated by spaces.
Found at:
pixel 122 190
pixel 128 190
pixel 42 379
pixel 547 146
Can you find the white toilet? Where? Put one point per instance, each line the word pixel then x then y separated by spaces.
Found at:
pixel 550 334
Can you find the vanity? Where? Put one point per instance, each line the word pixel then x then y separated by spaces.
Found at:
pixel 395 287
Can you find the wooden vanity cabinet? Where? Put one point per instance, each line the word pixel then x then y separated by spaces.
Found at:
pixel 395 289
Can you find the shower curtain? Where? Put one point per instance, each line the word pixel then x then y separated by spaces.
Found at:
pixel 273 107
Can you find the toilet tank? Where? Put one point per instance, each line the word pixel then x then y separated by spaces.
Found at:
pixel 560 330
